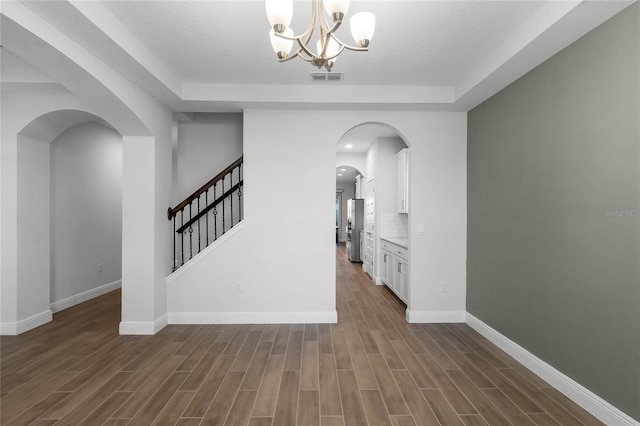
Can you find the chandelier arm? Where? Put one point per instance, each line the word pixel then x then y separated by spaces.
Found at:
pixel 355 48
pixel 305 49
pixel 348 47
pixel 297 54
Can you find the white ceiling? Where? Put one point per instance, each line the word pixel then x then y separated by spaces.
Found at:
pixel 216 56
pixel 346 174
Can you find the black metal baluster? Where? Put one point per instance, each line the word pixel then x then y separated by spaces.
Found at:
pixel 231 197
pixel 206 217
pixel 240 215
pixel 190 233
pixel 215 214
pixel 199 224
pixel 223 210
pixel 181 238
pixel 173 261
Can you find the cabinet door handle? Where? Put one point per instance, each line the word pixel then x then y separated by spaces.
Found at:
pixel 385 258
pixel 399 267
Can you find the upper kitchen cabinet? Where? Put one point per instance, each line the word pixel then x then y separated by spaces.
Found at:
pixel 402 159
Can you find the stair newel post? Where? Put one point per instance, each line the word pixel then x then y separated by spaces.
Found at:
pixel 173 261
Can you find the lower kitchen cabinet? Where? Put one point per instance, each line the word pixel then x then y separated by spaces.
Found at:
pixel 368 250
pixel 394 270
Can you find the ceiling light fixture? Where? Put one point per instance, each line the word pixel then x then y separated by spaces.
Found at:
pixel 328 46
pixel 348 146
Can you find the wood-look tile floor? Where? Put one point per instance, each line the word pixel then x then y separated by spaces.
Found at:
pixel 372 368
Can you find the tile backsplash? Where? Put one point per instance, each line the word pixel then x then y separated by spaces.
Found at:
pixel 394 225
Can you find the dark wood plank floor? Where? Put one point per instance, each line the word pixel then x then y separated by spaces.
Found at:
pixel 372 368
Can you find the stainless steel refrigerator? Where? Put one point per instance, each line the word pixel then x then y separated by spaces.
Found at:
pixel 355 223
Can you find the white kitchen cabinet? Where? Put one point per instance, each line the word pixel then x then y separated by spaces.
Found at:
pixel 385 267
pixel 401 274
pixel 402 159
pixel 362 246
pixel 395 269
pixel 369 250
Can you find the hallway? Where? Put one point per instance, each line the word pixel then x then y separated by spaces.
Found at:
pixel 370 368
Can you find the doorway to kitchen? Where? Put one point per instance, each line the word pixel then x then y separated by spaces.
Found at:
pixel 372 170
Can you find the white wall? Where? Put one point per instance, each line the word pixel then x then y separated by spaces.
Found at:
pixel 206 145
pixel 283 255
pixel 86 211
pixel 33 226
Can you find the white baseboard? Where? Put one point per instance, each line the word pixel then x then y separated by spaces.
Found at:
pixel 143 327
pixel 22 326
pixel 330 317
pixel 434 316
pixel 582 396
pixel 84 296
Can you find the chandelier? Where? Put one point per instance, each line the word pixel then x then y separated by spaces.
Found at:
pixel 328 46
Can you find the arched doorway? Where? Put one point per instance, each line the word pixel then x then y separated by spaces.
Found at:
pixel 373 149
pixel 69 179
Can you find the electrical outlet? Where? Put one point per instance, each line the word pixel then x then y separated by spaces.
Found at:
pixel 238 288
pixel 100 265
pixel 443 286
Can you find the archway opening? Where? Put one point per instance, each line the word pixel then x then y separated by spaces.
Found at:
pixel 69 209
pixel 378 153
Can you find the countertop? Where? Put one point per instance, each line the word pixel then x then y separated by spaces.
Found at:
pixel 402 242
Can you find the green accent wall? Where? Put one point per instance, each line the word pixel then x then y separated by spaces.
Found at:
pixel 553 259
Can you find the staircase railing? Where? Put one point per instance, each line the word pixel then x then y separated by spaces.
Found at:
pixel 208 213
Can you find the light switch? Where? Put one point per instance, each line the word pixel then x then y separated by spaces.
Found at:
pixel 420 230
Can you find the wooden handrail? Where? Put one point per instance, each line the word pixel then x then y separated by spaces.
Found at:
pixel 173 211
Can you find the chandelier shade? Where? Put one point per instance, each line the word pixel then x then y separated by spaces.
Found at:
pixel 363 25
pixel 282 46
pixel 328 45
pixel 279 13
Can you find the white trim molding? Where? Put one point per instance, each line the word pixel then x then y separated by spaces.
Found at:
pixel 328 317
pixel 434 316
pixel 582 396
pixel 84 296
pixel 146 328
pixel 22 326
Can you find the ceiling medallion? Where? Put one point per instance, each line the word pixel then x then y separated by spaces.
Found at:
pixel 328 46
